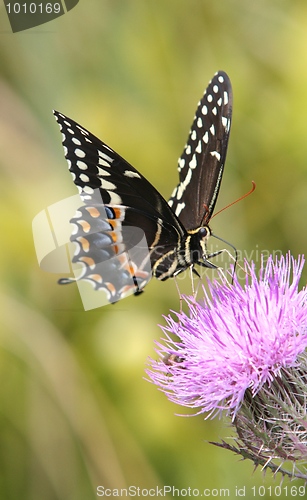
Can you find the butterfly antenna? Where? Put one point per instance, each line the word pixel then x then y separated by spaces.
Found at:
pixel 235 259
pixel 236 201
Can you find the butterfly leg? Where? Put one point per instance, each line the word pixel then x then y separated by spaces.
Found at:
pixel 195 291
pixel 215 254
pixel 180 296
pixel 224 250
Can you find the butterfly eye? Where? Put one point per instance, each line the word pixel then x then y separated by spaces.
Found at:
pixel 204 232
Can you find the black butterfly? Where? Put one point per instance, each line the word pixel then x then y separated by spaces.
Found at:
pixel 126 231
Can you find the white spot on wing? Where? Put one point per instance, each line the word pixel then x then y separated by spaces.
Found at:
pixel 115 199
pixel 107 185
pixel 179 191
pixel 131 173
pixel 173 195
pixel 198 149
pixel 216 154
pixel 224 121
pixel 102 172
pixel 188 178
pixel 82 165
pixel 84 178
pixel 193 162
pixel 179 209
pixel 79 153
pixel 105 157
pixel 225 98
pixel 181 164
pixel 88 190
pixel 104 163
pixel 212 129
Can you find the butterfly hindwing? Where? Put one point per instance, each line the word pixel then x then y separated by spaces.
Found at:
pixel 112 257
pixel 202 162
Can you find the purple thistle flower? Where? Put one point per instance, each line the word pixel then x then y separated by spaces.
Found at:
pixel 238 339
pixel 242 350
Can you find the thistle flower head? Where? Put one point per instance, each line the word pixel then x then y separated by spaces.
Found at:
pixel 242 350
pixel 239 338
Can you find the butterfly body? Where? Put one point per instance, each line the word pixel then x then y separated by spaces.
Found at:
pixel 191 250
pixel 123 213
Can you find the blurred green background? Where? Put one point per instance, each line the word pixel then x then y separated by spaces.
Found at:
pixel 75 410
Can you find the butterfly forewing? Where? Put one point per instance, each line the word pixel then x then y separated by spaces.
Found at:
pixel 119 202
pixel 202 162
pixel 94 165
